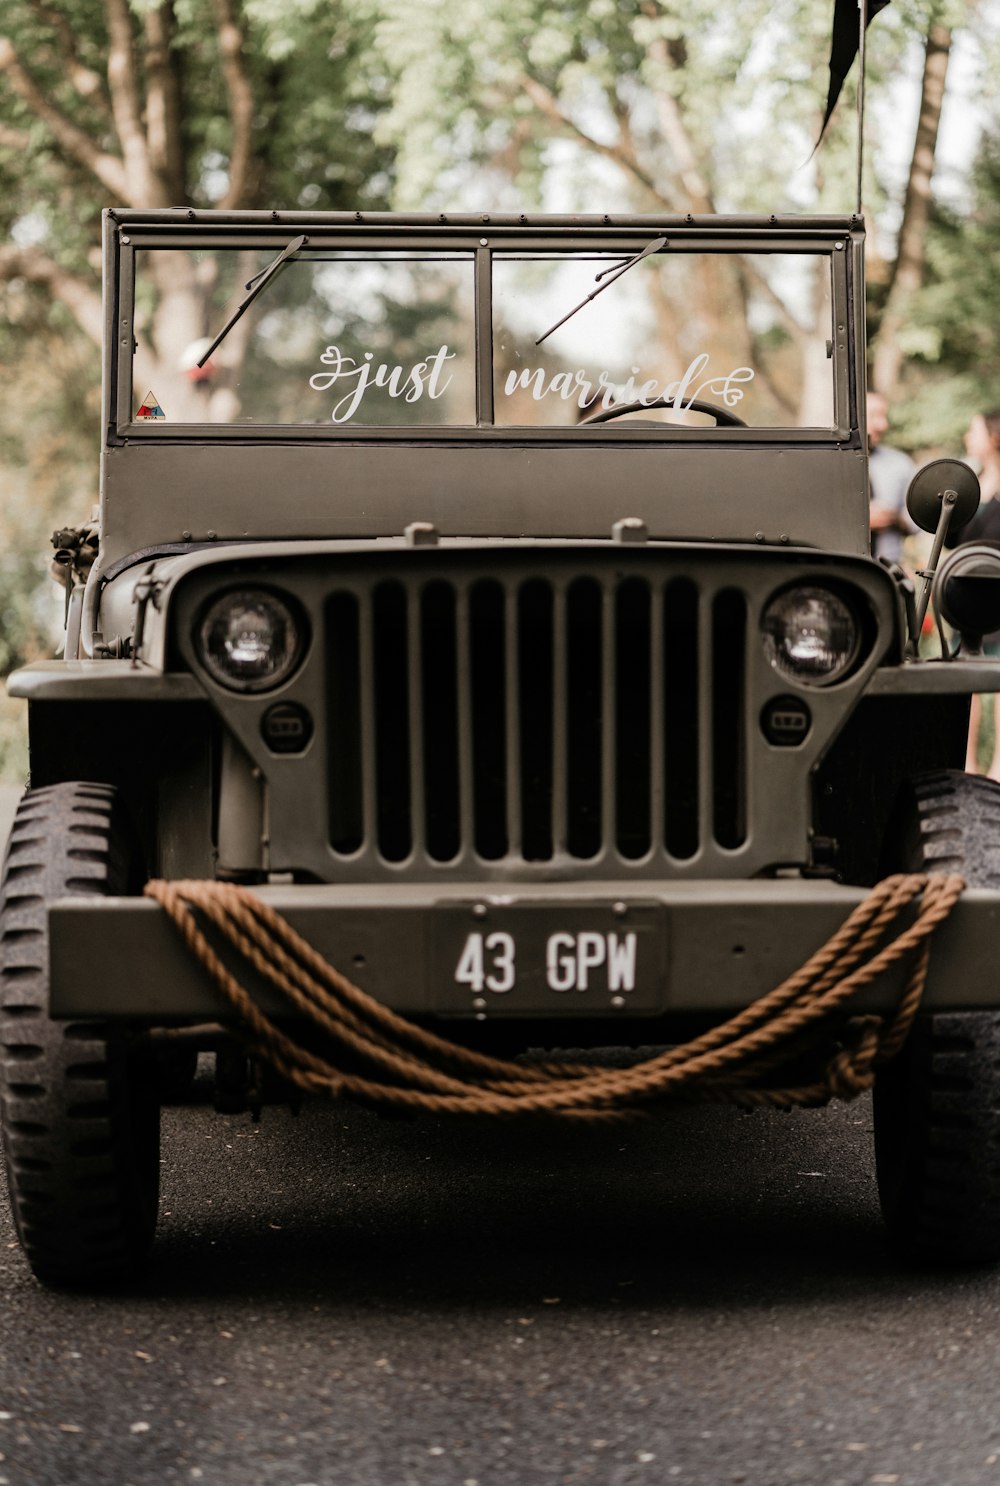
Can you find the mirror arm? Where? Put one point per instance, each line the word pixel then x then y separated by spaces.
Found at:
pixel 948 500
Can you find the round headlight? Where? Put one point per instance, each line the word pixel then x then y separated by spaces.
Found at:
pixel 250 640
pixel 967 588
pixel 810 635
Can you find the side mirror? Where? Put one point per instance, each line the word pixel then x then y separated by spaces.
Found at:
pixel 925 497
pixel 942 498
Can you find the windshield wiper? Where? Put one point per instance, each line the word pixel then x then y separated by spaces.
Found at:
pixel 255 286
pixel 653 247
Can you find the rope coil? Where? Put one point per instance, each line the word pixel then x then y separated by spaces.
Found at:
pixel 776 1053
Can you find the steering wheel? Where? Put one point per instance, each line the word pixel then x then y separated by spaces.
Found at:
pixel 721 415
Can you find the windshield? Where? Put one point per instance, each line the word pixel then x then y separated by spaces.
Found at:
pixel 637 336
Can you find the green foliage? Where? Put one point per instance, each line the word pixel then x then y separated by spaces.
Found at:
pixel 48 478
pixel 748 85
pixel 316 98
pixel 953 339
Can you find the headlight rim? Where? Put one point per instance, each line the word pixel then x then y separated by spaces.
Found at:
pixel 260 685
pixel 851 600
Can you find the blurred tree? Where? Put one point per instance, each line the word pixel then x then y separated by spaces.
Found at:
pixel 951 338
pixel 908 268
pixel 166 103
pixel 660 105
pixel 142 103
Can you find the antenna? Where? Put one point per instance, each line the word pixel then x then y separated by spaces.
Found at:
pixel 862 27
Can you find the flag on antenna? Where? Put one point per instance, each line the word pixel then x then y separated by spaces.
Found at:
pixel 844 49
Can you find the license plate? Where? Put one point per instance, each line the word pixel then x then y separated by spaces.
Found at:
pixel 547 959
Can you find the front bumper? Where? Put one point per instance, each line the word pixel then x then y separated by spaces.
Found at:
pixel 719 946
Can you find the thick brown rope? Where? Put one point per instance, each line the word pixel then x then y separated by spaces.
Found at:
pixel 739 1061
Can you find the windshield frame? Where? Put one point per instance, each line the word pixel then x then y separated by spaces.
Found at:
pixel 837 239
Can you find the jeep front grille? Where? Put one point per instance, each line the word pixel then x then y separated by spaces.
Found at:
pixel 580 717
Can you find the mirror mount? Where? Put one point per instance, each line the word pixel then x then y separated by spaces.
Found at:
pixel 942 498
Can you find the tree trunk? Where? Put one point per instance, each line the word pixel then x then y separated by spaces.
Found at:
pixel 908 273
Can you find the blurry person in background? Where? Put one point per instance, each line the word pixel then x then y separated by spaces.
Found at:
pixel 889 474
pixel 982 444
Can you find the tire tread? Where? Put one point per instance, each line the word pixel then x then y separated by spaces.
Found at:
pixel 80 1128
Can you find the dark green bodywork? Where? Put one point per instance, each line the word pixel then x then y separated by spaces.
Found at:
pixel 665 541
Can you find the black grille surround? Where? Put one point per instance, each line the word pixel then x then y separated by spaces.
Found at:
pixel 523 711
pixel 517 718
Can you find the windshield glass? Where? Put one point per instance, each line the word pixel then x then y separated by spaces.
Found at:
pixel 365 338
pixel 684 329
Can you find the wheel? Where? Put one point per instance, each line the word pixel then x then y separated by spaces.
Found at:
pixel 937 1105
pixel 78 1102
pixel 696 405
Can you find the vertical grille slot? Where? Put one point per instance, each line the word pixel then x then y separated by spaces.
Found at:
pixel 439 682
pixel 392 722
pixel 632 718
pixel 535 678
pixel 680 648
pixel 343 641
pixel 729 623
pixel 584 730
pixel 489 722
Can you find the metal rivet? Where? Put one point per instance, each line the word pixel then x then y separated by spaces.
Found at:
pixel 618 1002
pixel 210 535
pixel 483 242
pixel 620 910
pixel 783 537
pixel 126 241
pixel 185 536
pixel 839 247
pixel 480 910
pixel 758 536
pixel 479 1003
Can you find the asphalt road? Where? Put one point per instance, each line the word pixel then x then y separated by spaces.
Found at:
pixel 339 1299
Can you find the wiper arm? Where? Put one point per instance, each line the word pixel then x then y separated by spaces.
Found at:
pixel 654 247
pixel 255 286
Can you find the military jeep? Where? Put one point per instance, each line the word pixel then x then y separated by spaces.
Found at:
pixel 493 596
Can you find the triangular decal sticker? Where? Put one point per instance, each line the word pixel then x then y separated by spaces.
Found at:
pixel 150 407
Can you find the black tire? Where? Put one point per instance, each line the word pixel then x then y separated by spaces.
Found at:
pixel 937 1105
pixel 78 1102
